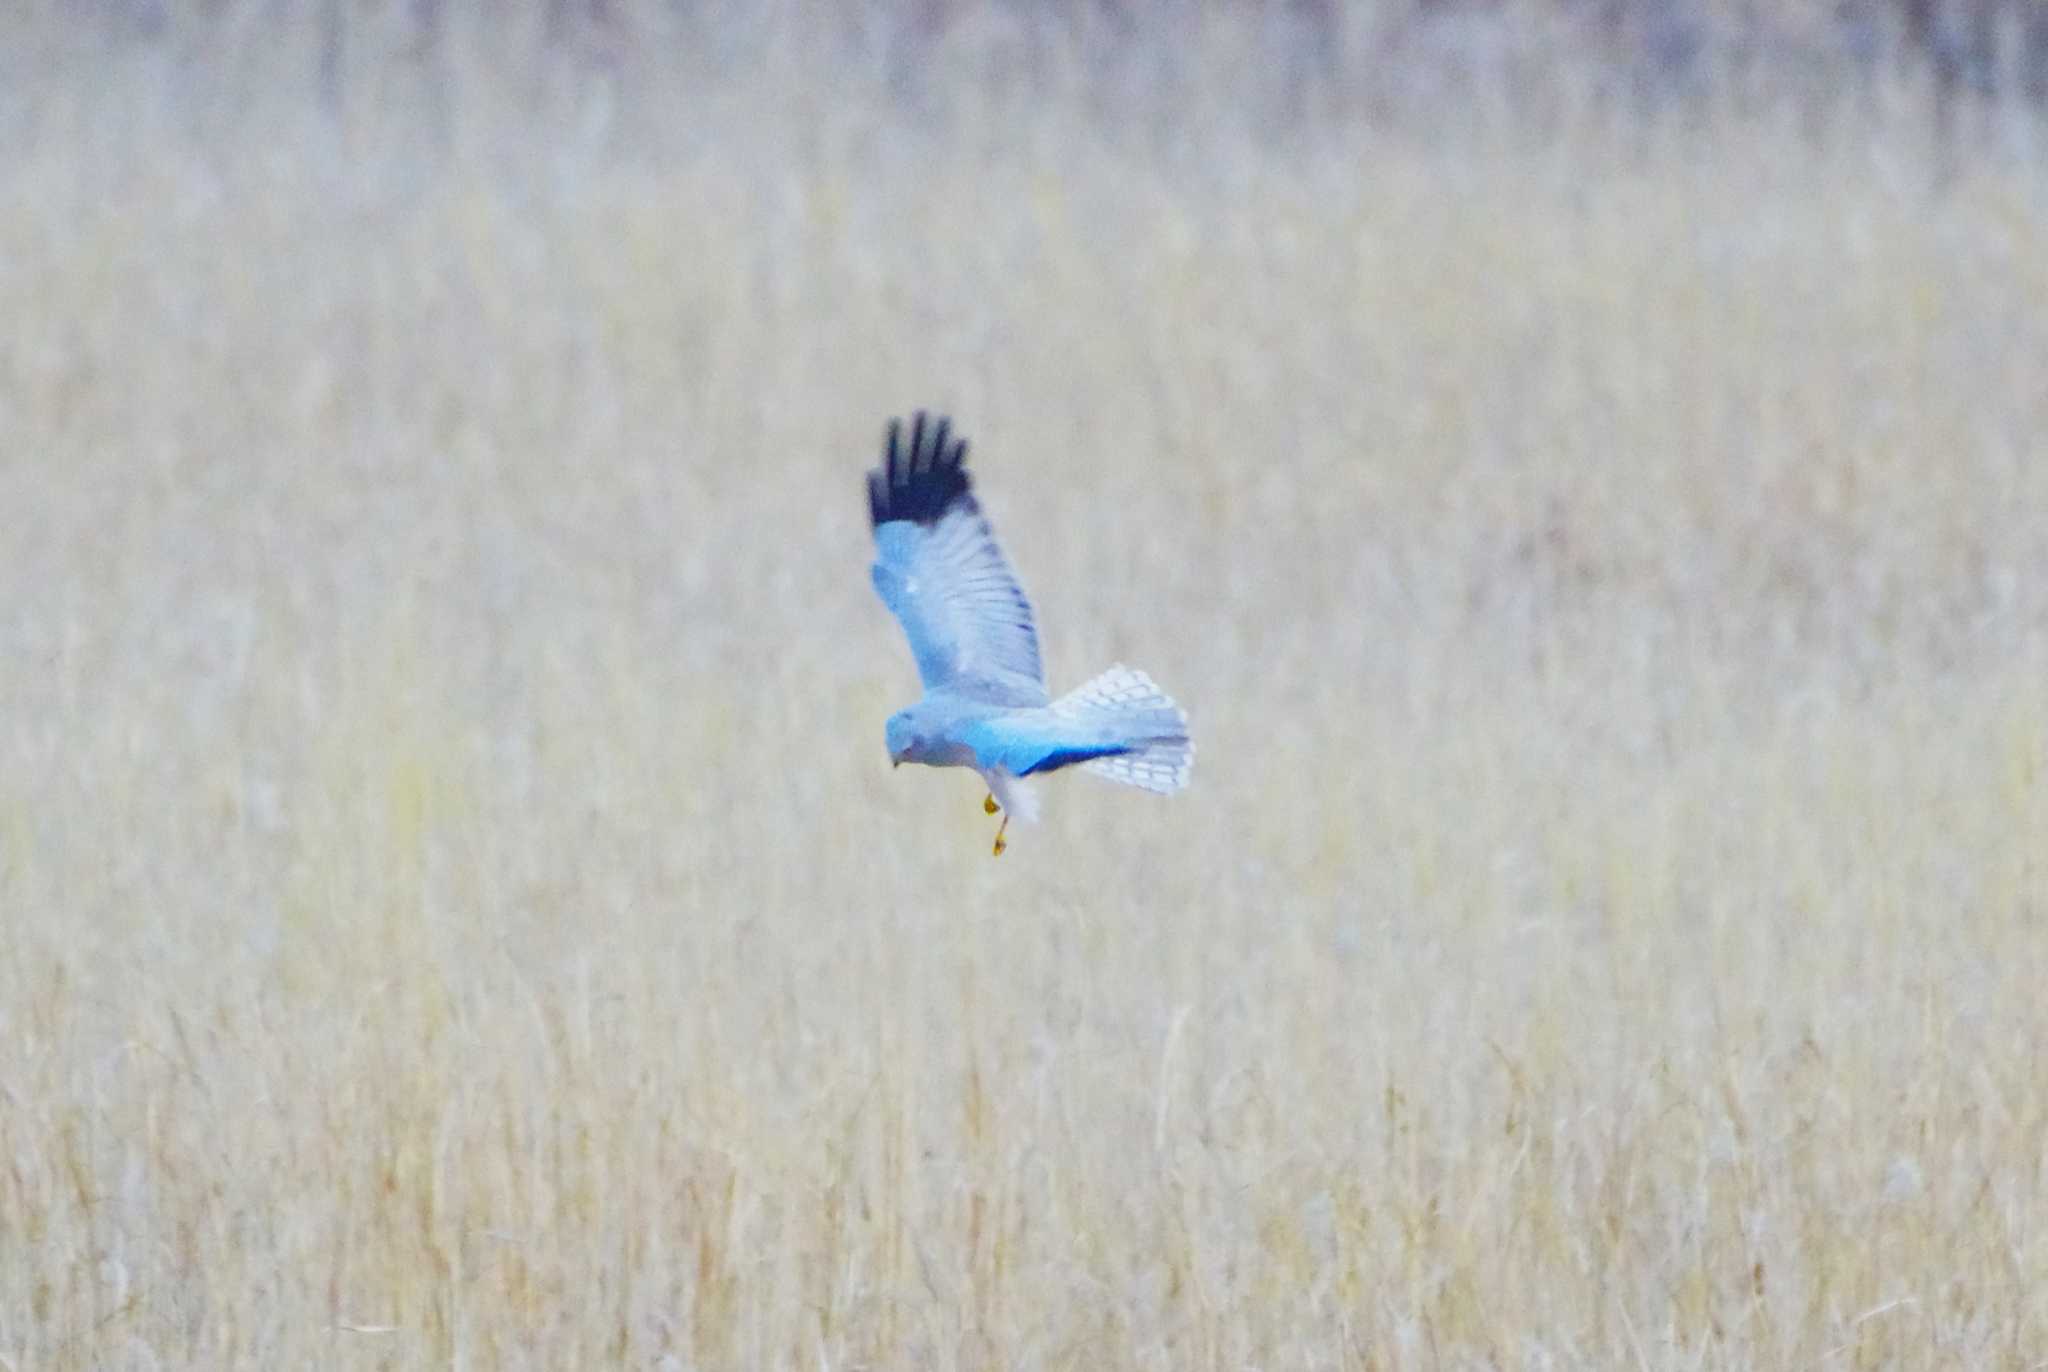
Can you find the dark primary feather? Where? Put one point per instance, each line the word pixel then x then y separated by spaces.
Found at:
pixel 1067 757
pixel 918 480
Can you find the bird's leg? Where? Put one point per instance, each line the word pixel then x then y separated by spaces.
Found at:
pixel 988 805
pixel 1000 844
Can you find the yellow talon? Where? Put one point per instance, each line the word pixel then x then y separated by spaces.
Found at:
pixel 988 806
pixel 1000 844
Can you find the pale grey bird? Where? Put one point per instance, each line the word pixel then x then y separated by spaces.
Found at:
pixel 985 705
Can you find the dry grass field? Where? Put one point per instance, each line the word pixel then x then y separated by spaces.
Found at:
pixel 457 908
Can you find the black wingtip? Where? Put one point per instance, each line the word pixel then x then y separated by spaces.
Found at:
pixel 921 480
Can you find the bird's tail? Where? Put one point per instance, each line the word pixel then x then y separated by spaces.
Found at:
pixel 1124 707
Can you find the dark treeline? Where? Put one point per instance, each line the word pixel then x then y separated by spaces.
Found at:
pixel 1959 51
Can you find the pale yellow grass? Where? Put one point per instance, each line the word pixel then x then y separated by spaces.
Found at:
pixel 458 911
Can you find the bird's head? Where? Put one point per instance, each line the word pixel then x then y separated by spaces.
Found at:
pixel 903 738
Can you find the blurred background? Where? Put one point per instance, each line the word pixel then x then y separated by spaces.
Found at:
pixel 1579 462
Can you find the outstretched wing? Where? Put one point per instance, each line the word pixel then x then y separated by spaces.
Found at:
pixel 939 571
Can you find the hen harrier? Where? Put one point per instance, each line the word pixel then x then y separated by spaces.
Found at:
pixel 985 705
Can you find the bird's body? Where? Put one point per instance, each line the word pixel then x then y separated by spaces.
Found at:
pixel 937 567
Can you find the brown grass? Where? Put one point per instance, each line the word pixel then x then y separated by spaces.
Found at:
pixel 458 911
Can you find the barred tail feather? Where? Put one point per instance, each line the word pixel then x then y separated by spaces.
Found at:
pixel 1125 706
pixel 1161 768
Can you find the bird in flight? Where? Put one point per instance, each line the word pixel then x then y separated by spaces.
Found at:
pixel 985 706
